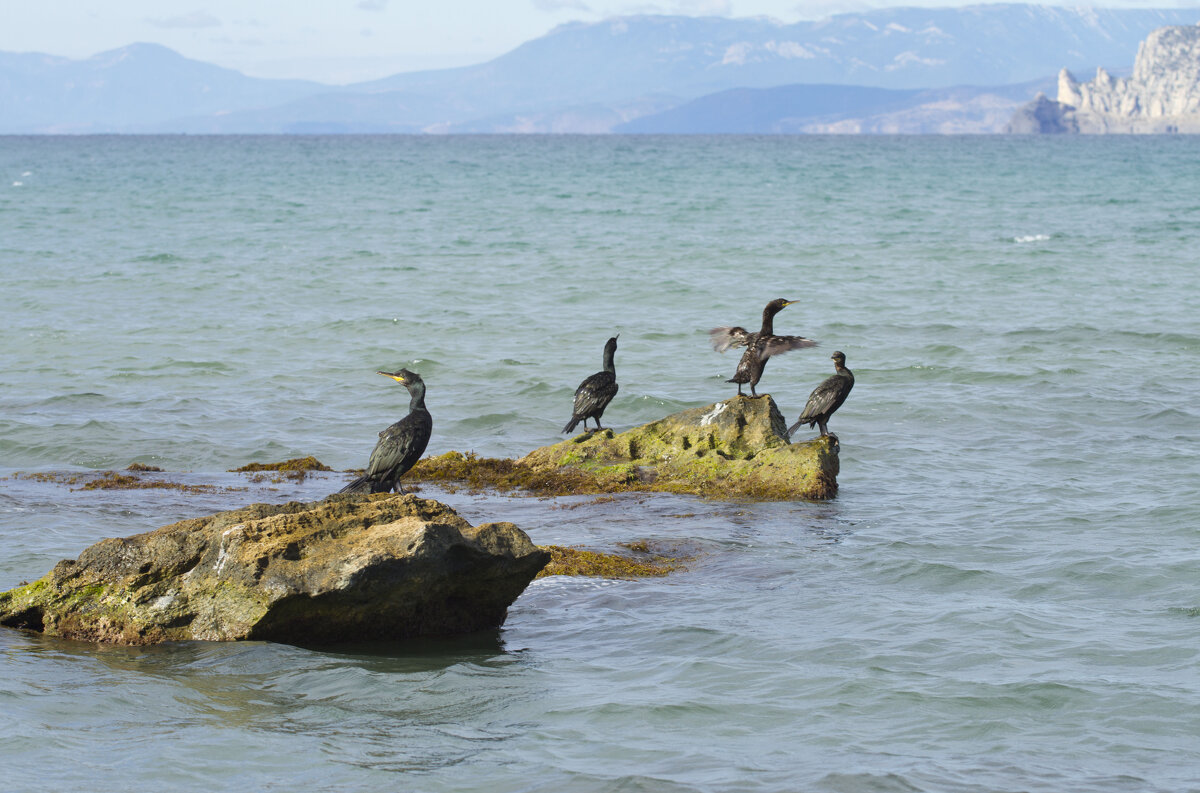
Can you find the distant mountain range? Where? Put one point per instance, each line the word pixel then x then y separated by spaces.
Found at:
pixel 901 69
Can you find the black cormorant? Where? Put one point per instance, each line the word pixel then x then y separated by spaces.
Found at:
pixel 759 346
pixel 594 393
pixel 400 445
pixel 827 397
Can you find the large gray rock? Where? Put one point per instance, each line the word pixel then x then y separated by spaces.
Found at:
pixel 381 567
pixel 1043 116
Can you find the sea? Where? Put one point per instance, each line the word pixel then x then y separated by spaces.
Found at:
pixel 1003 596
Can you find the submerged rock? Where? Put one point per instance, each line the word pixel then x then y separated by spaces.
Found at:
pixel 737 448
pixel 383 567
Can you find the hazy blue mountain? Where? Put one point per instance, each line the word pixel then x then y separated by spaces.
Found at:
pixel 764 111
pixel 330 112
pixel 888 48
pixel 125 88
pixel 792 109
pixel 584 77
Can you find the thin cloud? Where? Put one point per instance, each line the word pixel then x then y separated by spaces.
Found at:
pixel 821 9
pixel 550 6
pixel 372 5
pixel 705 8
pixel 690 8
pixel 196 19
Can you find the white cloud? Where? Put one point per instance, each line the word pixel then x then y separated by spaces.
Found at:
pixel 551 6
pixel 789 49
pixel 196 19
pixel 736 53
pixel 707 8
pixel 823 9
pixel 743 52
pixel 909 58
pixel 689 8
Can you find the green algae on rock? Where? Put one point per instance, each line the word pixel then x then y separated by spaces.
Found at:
pixel 309 463
pixel 643 561
pixel 732 449
pixel 383 567
pixel 115 480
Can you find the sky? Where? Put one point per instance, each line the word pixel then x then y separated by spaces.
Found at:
pixel 343 41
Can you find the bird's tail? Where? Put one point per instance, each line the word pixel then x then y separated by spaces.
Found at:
pixel 571 424
pixel 360 485
pixel 797 426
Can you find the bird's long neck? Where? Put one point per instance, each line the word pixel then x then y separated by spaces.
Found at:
pixel 417 402
pixel 768 326
pixel 608 360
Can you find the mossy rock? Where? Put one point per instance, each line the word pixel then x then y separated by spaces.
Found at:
pixel 640 561
pixel 309 463
pixel 733 449
pixel 380 567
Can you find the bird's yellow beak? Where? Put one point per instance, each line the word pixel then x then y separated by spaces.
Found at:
pixel 788 303
pixel 393 375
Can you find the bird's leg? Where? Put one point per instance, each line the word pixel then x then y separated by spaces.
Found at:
pixel 753 393
pixel 824 429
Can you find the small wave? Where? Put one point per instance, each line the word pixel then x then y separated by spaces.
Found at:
pixel 71 398
pixel 158 258
pixel 1032 238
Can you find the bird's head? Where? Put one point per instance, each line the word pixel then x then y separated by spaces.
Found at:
pixel 839 358
pixel 777 305
pixel 404 377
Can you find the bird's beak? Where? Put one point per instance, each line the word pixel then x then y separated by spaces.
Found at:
pixel 788 303
pixel 399 378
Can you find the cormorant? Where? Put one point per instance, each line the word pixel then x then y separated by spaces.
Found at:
pixel 827 397
pixel 759 346
pixel 400 445
pixel 594 393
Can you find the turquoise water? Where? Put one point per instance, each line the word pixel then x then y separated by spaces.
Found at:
pixel 1002 597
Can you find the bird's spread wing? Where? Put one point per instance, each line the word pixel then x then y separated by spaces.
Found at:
pixel 724 338
pixel 776 345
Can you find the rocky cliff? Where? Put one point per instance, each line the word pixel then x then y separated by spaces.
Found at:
pixel 1161 96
